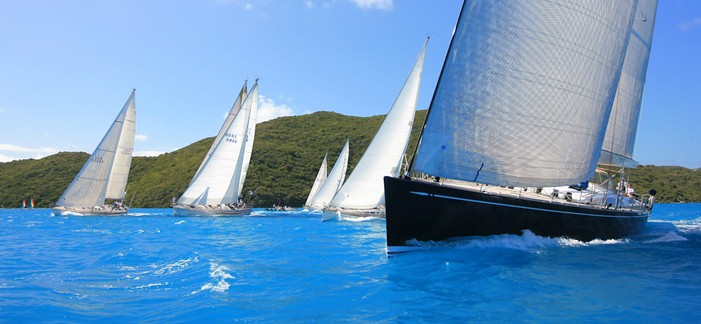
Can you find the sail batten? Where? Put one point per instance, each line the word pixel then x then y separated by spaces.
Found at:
pixel 524 102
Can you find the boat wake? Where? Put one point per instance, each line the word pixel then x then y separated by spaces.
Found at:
pixel 358 219
pixel 527 241
pixel 670 236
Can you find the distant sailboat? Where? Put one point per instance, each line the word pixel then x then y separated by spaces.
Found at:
pixel 31 202
pixel 318 182
pixel 216 187
pixel 105 173
pixel 24 203
pixel 333 181
pixel 525 100
pixel 363 193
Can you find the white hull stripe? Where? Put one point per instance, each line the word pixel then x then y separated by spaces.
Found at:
pixel 522 207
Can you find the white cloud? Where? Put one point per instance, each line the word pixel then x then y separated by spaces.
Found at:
pixel 689 24
pixel 374 4
pixel 11 152
pixel 267 110
pixel 149 153
pixel 141 137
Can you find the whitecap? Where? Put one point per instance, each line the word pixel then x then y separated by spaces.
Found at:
pixel 176 266
pixel 219 273
pixel 179 222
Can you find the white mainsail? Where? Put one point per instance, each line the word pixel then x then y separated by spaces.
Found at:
pixel 227 122
pixel 105 173
pixel 333 181
pixel 383 157
pixel 623 123
pixel 218 180
pixel 318 182
pixel 524 101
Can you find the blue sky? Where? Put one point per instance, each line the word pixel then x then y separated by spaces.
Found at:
pixel 68 66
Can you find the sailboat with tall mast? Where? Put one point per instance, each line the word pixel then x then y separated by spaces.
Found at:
pixel 363 192
pixel 333 181
pixel 216 188
pixel 524 102
pixel 104 175
pixel 318 181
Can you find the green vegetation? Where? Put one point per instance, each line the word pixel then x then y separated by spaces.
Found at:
pixel 286 156
pixel 672 183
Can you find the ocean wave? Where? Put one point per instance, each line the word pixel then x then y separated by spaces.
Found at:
pixel 219 273
pixel 179 222
pixel 668 237
pixel 177 266
pixel 138 214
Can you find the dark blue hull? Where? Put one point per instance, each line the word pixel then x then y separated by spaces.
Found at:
pixel 428 211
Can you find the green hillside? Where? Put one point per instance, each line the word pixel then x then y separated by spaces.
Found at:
pixel 286 156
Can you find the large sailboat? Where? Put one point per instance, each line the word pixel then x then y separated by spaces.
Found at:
pixel 514 138
pixel 363 192
pixel 216 188
pixel 104 175
pixel 333 182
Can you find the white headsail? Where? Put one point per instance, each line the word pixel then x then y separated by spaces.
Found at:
pixel 318 182
pixel 333 181
pixel 105 173
pixel 218 180
pixel 364 187
pixel 623 123
pixel 524 101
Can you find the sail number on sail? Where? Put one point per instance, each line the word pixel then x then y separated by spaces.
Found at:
pixel 96 159
pixel 231 138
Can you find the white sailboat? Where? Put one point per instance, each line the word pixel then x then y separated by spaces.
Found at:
pixel 318 182
pixel 104 175
pixel 216 187
pixel 534 96
pixel 363 193
pixel 333 182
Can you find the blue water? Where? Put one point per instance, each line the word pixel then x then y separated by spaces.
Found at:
pixel 150 266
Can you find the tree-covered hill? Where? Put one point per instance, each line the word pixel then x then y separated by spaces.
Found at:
pixel 286 156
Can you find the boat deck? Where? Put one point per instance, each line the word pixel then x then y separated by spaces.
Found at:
pixel 531 193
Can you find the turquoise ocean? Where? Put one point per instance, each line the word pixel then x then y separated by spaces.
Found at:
pixel 150 266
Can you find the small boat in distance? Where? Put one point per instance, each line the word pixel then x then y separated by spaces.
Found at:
pixel 333 182
pixel 215 190
pixel 104 175
pixel 514 138
pixel 362 194
pixel 318 182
